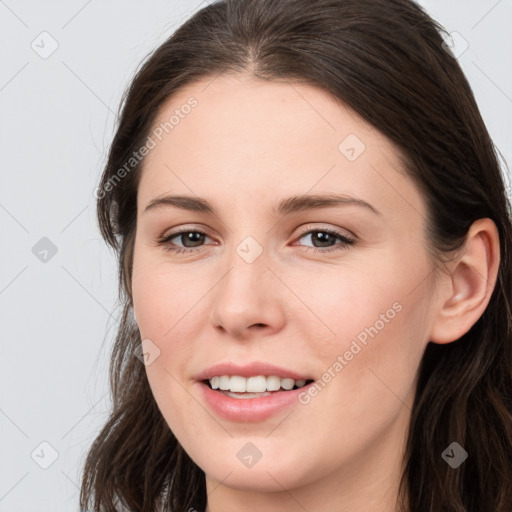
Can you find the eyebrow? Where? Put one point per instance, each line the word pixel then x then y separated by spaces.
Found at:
pixel 284 207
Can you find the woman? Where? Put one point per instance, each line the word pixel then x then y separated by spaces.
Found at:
pixel 314 242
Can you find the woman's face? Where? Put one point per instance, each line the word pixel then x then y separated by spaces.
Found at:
pixel 274 289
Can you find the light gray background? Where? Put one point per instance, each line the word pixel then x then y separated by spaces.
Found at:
pixel 58 317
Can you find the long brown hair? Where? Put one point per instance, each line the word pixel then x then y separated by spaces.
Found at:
pixel 386 59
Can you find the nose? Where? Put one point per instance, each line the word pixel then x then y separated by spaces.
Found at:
pixel 248 300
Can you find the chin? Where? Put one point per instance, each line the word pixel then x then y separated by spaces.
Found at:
pixel 266 475
pixel 252 480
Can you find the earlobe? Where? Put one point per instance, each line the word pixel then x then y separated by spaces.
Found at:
pixel 471 283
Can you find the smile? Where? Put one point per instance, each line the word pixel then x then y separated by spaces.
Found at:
pixel 260 385
pixel 250 393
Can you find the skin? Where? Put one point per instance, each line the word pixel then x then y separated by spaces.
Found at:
pixel 246 145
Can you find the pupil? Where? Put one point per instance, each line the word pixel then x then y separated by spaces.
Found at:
pixel 193 236
pixel 323 238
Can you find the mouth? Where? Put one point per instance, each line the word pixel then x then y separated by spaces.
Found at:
pixel 251 399
pixel 238 387
pixel 252 392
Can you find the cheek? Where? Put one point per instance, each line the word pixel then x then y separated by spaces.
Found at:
pixel 346 301
pixel 376 318
pixel 175 403
pixel 163 296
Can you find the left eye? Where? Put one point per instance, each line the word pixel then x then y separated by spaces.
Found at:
pixel 193 239
pixel 327 239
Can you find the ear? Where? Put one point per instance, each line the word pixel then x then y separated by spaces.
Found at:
pixel 469 283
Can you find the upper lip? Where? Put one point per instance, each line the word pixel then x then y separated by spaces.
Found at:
pixel 249 370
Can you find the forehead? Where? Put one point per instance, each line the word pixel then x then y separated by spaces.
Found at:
pixel 254 110
pixel 263 138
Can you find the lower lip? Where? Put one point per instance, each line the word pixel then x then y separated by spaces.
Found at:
pixel 245 410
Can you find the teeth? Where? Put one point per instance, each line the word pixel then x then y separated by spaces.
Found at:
pixel 254 384
pixel 258 384
pixel 287 384
pixel 247 395
pixel 273 383
pixel 237 384
pixel 223 382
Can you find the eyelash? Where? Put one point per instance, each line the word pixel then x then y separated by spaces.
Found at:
pixel 346 241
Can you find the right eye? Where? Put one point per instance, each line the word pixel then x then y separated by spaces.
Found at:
pixel 197 237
